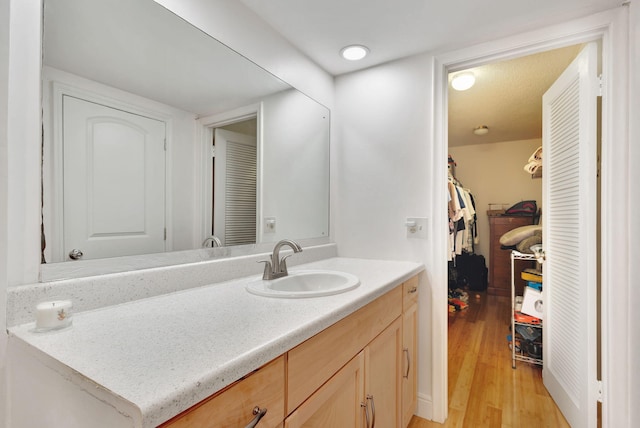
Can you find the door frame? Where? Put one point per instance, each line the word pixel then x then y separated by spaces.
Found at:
pixel 612 28
pixel 204 134
pixel 56 85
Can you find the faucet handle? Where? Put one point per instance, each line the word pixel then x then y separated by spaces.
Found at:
pixel 268 269
pixel 283 265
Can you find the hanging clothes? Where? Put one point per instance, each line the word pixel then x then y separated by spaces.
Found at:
pixel 463 232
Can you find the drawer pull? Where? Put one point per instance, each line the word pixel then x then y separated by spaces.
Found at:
pixel 373 411
pixel 413 290
pixel 406 353
pixel 259 413
pixel 366 414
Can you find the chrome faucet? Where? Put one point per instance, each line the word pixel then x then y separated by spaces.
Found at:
pixel 277 267
pixel 213 240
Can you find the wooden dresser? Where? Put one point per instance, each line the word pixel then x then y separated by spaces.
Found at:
pixel 499 260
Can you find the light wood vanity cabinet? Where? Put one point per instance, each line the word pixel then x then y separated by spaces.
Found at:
pixel 336 378
pixel 337 403
pixel 409 350
pixel 383 375
pixel 366 388
pixel 314 361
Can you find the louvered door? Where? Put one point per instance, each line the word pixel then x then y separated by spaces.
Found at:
pixel 569 195
pixel 235 178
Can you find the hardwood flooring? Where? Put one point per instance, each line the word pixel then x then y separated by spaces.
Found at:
pixel 484 391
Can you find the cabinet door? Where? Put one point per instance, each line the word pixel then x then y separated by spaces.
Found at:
pixel 338 403
pixel 383 366
pixel 410 359
pixel 233 407
pixel 313 362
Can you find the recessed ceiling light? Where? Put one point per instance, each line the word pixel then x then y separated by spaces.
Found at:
pixel 354 52
pixel 463 81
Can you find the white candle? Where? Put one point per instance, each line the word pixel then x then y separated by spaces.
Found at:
pixel 53 315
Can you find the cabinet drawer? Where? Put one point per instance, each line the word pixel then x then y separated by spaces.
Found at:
pixel 313 362
pixel 233 406
pixel 409 292
pixel 336 403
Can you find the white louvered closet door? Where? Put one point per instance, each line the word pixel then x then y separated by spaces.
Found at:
pixel 235 188
pixel 569 227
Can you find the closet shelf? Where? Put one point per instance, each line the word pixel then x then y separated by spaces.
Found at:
pixel 521 356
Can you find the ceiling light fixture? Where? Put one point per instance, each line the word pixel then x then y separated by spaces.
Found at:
pixel 481 130
pixel 463 81
pixel 354 52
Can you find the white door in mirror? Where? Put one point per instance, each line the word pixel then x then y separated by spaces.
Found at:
pixel 305 283
pixel 114 181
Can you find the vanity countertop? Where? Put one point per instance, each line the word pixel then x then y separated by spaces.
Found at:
pixel 161 355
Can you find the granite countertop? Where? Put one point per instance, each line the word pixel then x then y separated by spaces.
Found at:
pixel 164 354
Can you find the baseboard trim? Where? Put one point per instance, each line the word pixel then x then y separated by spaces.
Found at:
pixel 425 406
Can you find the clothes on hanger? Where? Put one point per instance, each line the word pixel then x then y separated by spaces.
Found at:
pixel 463 232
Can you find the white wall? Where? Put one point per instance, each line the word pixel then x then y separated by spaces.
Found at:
pixel 19 159
pixel 296 193
pixel 634 232
pixel 382 120
pixel 494 173
pixel 4 200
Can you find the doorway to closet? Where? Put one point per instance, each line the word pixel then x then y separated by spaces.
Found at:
pixel 232 180
pixel 504 107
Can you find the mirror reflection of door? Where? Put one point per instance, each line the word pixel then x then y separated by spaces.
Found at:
pixel 235 184
pixel 114 181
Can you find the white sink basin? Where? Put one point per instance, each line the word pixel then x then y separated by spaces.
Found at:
pixel 305 283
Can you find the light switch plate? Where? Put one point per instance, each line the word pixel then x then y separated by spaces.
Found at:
pixel 416 227
pixel 269 225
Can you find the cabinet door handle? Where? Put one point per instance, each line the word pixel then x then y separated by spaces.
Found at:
pixel 366 413
pixel 406 354
pixel 413 290
pixel 259 413
pixel 373 411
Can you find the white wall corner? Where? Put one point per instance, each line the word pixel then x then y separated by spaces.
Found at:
pixel 23 142
pixel 227 21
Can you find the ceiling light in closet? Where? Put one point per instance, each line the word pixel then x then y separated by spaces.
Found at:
pixel 354 52
pixel 463 81
pixel 481 130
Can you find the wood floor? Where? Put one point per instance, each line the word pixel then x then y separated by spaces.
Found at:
pixel 484 391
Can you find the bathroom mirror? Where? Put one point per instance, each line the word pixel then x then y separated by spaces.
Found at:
pixel 132 98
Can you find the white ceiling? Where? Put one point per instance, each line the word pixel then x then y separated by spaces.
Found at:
pixel 507 96
pixel 144 49
pixel 397 28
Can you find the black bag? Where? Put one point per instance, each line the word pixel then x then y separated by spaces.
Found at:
pixel 472 271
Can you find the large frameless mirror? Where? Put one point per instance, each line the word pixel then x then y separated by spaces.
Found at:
pixel 157 137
